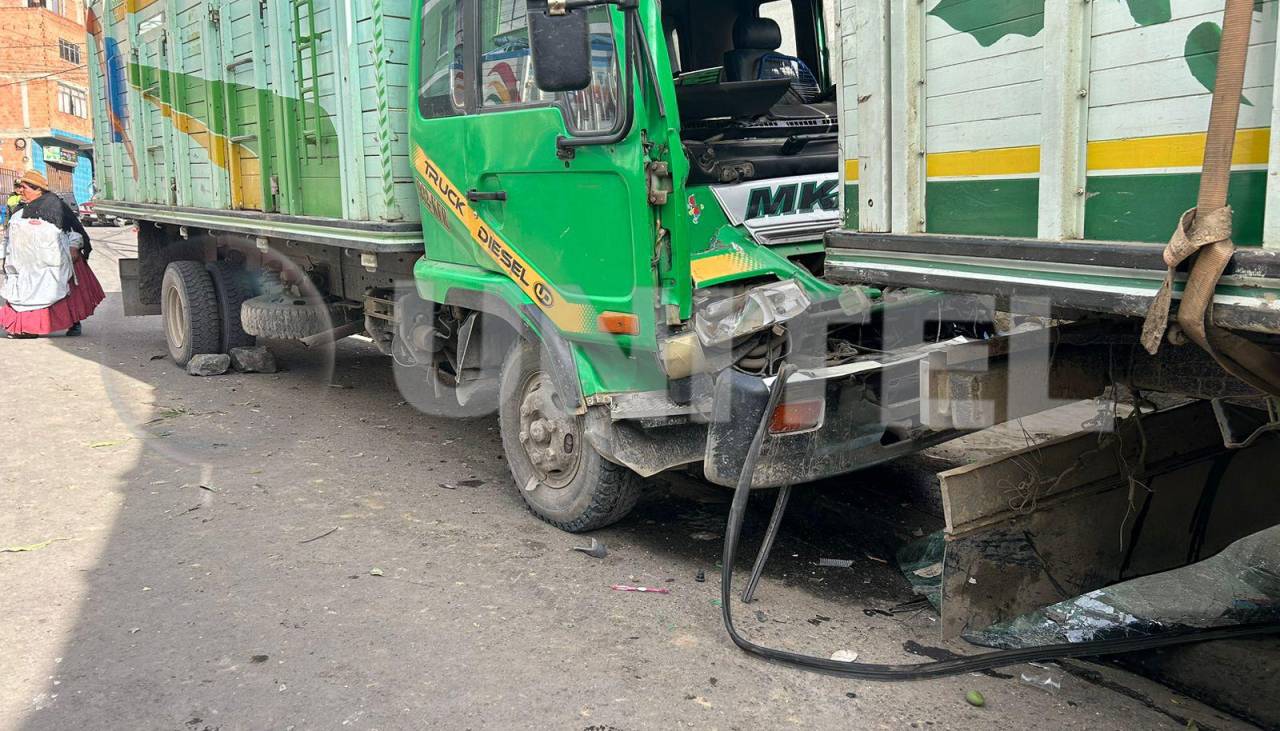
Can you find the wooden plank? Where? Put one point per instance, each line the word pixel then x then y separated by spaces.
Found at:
pixel 1169 116
pixel 986 73
pixel 970 504
pixel 1170 79
pixel 1064 121
pixel 1013 100
pixel 1054 521
pixel 1144 45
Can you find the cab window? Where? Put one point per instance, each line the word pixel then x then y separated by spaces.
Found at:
pixel 506 78
pixel 442 91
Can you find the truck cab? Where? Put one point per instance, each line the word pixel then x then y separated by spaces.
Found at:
pixel 628 199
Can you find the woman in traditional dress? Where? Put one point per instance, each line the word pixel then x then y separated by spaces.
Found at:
pixel 48 285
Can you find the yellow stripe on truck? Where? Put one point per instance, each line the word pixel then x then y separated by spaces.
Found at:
pixel 1130 153
pixel 1174 151
pixel 999 161
pixel 568 316
pixel 720 265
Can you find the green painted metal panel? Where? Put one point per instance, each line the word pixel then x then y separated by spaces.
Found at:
pixel 851 206
pixel 1146 207
pixel 1000 207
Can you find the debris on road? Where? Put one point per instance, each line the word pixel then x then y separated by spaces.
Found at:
pixel 256 359
pixel 329 532
pixel 704 536
pixel 595 550
pixel 1044 682
pixel 107 443
pixel 844 656
pixel 644 589
pixel 167 413
pixel 840 563
pixel 32 546
pixel 700 577
pixel 375 572
pixel 209 364
pixel 974 698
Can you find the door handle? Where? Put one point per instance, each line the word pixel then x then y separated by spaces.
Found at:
pixel 497 195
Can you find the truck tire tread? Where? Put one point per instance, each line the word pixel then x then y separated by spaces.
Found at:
pixel 233 287
pixel 204 334
pixel 268 317
pixel 613 489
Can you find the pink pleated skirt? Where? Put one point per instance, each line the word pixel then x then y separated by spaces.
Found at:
pixel 82 299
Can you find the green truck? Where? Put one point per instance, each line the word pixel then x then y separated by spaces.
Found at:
pixel 613 221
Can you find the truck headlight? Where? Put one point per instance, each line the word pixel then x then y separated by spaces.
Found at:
pixel 723 321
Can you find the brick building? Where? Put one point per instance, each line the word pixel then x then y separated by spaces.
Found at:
pixel 44 93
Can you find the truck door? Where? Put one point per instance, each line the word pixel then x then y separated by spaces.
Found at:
pixel 575 220
pixel 438 114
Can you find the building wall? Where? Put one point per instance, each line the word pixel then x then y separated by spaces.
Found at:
pixel 32 72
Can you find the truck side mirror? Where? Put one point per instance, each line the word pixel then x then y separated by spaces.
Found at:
pixel 561 48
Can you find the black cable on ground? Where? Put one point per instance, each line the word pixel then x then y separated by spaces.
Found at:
pixel 921 671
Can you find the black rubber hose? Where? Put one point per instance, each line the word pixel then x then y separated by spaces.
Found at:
pixel 921 671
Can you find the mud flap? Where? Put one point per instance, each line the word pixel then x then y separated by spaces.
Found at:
pixel 130 276
pixel 645 451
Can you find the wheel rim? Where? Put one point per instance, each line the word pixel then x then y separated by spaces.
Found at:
pixel 551 438
pixel 175 330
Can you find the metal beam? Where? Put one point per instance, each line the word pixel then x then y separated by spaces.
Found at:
pixel 907 64
pixel 1064 119
pixel 873 89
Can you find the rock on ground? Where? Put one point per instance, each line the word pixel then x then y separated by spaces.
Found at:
pixel 214 364
pixel 256 359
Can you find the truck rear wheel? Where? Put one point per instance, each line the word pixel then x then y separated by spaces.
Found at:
pixel 233 285
pixel 189 308
pixel 562 479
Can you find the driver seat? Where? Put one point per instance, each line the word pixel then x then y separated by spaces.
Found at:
pixel 753 39
pixel 755 56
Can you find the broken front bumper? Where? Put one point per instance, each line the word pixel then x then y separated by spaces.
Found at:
pixel 871 416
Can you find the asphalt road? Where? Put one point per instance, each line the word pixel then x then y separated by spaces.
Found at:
pixel 304 551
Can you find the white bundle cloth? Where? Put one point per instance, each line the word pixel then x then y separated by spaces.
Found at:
pixel 37 263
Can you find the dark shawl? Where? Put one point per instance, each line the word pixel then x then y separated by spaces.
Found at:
pixel 49 207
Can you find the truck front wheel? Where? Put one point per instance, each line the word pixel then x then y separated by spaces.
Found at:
pixel 189 308
pixel 562 479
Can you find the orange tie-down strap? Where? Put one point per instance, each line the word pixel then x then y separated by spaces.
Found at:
pixel 1208 239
